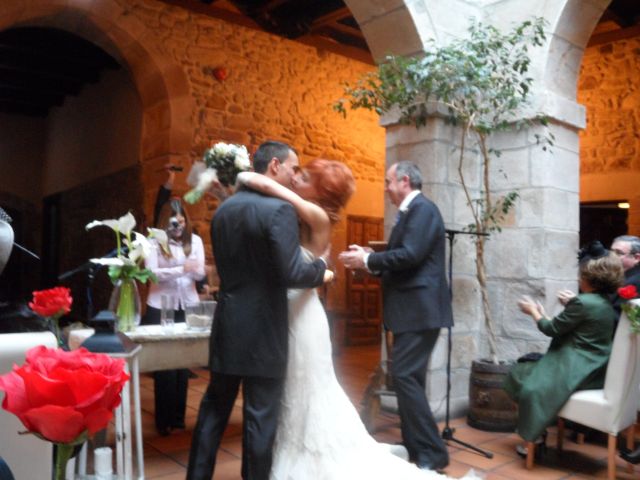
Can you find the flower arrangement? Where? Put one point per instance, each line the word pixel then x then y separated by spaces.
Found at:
pixel 52 304
pixel 220 164
pixel 64 397
pixel 128 265
pixel 630 292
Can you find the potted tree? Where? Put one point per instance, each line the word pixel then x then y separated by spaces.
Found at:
pixel 483 84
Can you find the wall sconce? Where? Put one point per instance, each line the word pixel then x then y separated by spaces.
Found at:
pixel 220 73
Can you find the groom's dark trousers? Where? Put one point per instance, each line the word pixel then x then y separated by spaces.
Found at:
pixel 260 417
pixel 257 251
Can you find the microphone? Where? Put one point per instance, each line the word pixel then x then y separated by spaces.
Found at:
pixel 90 266
pixel 449 231
pixel 5 217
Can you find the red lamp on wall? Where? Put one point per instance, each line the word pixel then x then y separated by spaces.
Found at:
pixel 220 73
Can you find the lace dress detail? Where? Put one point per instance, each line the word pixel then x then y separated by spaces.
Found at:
pixel 320 435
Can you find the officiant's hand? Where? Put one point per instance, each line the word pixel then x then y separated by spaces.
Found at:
pixel 354 257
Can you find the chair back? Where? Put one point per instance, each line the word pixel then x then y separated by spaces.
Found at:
pixel 622 382
pixel 28 456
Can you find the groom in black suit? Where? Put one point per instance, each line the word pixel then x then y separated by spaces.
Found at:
pixel 257 253
pixel 416 304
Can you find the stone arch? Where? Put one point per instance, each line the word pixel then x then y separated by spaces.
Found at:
pixel 571 26
pixel 161 83
pixel 389 27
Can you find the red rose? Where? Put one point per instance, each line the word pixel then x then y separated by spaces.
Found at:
pixel 52 303
pixel 60 395
pixel 628 292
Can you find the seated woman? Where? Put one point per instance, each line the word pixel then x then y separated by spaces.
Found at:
pixel 580 347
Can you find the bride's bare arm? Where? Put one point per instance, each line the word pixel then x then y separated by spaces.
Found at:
pixel 311 214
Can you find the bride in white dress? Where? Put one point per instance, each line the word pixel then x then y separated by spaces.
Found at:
pixel 320 435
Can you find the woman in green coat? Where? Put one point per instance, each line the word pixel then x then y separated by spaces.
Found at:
pixel 580 347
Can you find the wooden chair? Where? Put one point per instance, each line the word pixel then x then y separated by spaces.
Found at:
pixel 27 455
pixel 613 408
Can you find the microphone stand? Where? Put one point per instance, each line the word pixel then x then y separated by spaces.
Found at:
pixel 91 269
pixel 447 431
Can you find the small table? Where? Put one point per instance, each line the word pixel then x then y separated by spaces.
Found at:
pixel 158 350
pixel 181 348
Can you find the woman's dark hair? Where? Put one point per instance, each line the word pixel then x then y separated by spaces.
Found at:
pixel 603 273
pixel 334 185
pixel 169 210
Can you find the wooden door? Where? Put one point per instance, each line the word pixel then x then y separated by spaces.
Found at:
pixel 364 297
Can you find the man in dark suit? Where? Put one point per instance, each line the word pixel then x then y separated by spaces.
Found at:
pixel 416 304
pixel 257 252
pixel 627 247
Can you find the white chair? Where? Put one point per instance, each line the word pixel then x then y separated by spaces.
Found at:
pixel 26 455
pixel 613 408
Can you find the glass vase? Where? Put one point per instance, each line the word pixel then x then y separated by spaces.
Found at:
pixel 125 303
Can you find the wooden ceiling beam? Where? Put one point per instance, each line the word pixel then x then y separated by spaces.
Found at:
pixel 214 12
pixel 331 18
pixel 610 16
pixel 269 6
pixel 12 76
pixel 323 43
pixel 614 36
pixel 31 110
pixel 339 27
pixel 27 96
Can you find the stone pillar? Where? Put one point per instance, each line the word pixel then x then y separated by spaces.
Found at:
pixel 535 254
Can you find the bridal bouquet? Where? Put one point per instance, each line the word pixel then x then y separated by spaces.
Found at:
pixel 220 164
pixel 632 310
pixel 64 397
pixel 127 266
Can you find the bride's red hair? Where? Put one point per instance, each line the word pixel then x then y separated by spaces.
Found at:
pixel 334 184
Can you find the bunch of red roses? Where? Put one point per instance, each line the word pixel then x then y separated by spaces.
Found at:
pixel 629 292
pixel 52 304
pixel 64 397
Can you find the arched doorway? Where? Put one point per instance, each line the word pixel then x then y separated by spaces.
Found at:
pixel 153 126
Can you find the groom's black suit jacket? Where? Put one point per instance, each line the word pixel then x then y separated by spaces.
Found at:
pixel 414 285
pixel 257 252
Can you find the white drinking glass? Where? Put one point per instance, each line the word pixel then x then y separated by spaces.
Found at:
pixel 167 313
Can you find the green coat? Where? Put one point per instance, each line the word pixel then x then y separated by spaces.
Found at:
pixel 576 360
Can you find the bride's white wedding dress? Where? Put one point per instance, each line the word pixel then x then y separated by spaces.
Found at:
pixel 320 435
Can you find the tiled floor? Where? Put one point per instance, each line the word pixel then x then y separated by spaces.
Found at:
pixel 166 457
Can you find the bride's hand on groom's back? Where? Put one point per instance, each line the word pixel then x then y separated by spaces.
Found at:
pixel 329 276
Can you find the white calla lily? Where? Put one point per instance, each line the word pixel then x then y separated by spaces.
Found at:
pixel 139 248
pixel 124 224
pixel 161 237
pixel 118 262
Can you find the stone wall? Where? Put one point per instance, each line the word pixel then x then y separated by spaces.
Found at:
pixel 610 145
pixel 275 89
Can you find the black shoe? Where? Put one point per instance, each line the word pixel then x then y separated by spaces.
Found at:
pixel 434 467
pixel 163 431
pixel 178 426
pixel 631 456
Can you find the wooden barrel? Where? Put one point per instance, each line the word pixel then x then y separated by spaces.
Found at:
pixel 490 408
